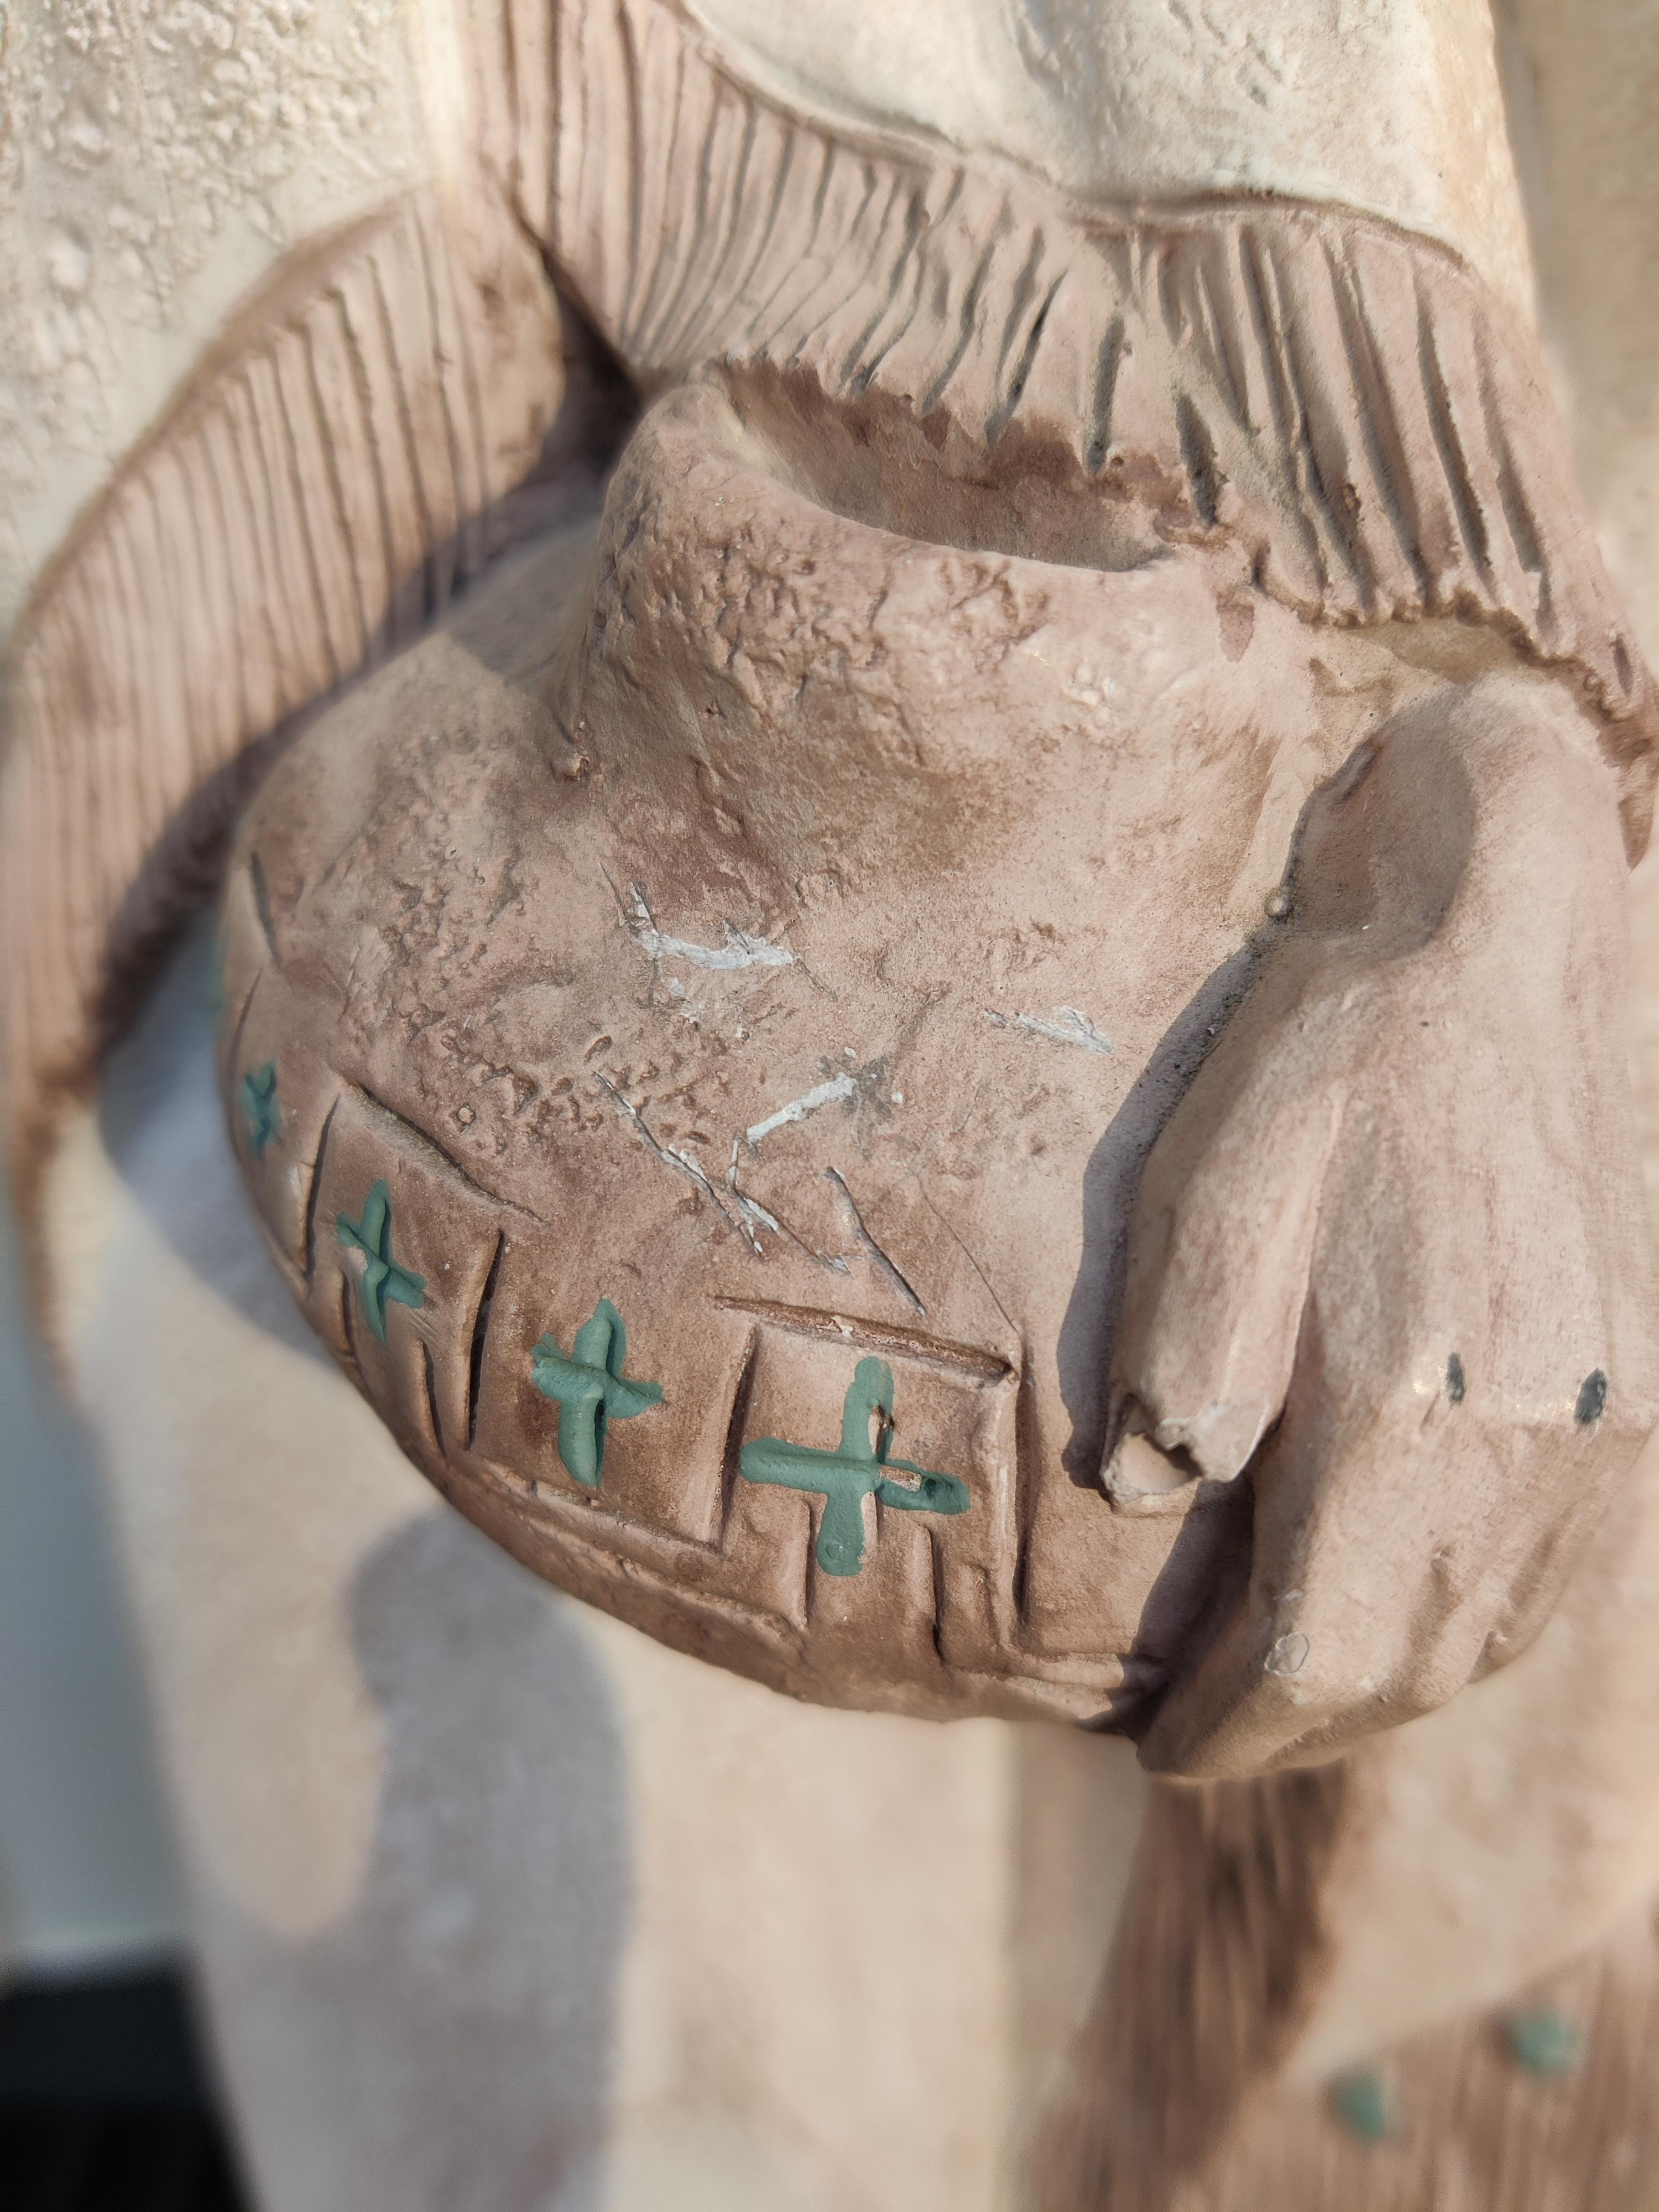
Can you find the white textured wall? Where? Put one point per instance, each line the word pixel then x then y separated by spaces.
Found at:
pixel 86 1875
pixel 156 159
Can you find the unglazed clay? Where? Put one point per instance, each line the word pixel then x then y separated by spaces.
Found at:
pixel 595 1035
pixel 963 1048
pixel 756 964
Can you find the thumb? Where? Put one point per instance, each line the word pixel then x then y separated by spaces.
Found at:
pixel 1220 1250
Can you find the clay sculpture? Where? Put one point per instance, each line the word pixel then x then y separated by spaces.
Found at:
pixel 768 957
pixel 918 779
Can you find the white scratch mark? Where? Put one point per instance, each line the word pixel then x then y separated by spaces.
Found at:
pixel 750 1208
pixel 821 1094
pixel 741 950
pixel 1063 1025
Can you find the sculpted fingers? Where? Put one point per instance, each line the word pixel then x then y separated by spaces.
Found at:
pixel 1389 1285
pixel 1406 1540
pixel 1358 1611
pixel 1221 1246
pixel 1418 1366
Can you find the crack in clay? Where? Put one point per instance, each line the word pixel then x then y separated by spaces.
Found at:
pixel 683 1165
pixel 753 1211
pixel 1063 1025
pixel 869 1243
pixel 967 1251
pixel 741 950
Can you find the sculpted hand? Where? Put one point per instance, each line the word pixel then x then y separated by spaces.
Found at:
pixel 1391 1264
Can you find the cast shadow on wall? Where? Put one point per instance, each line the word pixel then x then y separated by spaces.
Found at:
pixel 454 2026
pixel 462 2015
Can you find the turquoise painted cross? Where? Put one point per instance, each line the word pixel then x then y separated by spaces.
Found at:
pixel 1362 2102
pixel 265 1115
pixel 591 1390
pixel 859 1470
pixel 382 1278
pixel 1545 2041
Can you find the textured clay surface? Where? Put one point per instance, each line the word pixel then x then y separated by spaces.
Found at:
pixel 695 1026
pixel 698 1065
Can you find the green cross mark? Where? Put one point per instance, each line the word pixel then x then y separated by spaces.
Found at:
pixel 859 1470
pixel 382 1278
pixel 591 1390
pixel 1362 2102
pixel 265 1115
pixel 1545 2041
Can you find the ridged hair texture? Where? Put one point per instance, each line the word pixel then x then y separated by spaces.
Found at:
pixel 1222 1950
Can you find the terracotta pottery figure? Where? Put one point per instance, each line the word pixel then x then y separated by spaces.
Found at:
pixel 917 772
